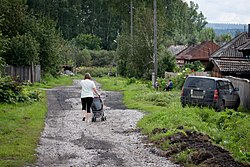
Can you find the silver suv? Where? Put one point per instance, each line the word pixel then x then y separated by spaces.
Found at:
pixel 210 91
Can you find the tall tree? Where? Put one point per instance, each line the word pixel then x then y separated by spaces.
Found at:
pixel 139 62
pixel 14 14
pixel 76 17
pixel 207 34
pixel 183 21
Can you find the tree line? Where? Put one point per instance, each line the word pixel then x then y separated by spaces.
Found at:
pixel 99 33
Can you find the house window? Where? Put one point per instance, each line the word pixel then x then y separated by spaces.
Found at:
pixel 248 56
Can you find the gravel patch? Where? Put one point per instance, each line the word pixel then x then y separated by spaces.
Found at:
pixel 69 141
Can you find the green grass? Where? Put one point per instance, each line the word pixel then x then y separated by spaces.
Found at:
pixel 229 129
pixel 21 125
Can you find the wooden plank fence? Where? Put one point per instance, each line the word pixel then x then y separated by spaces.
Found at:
pixel 27 73
pixel 244 90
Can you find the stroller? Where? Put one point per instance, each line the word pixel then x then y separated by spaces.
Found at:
pixel 97 109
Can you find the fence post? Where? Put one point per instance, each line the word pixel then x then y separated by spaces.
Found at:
pixel 32 72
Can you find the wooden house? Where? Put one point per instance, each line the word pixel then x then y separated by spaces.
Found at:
pixel 232 59
pixel 200 52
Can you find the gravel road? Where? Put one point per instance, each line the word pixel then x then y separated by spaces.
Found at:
pixel 69 141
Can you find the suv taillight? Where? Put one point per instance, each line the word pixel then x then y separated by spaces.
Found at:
pixel 182 91
pixel 216 94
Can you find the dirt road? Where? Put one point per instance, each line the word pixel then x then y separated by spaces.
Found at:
pixel 69 141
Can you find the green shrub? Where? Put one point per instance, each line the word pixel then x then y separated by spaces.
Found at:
pixel 102 58
pixel 131 80
pixel 181 77
pixel 83 58
pixel 95 71
pixel 2 66
pixel 87 41
pixel 12 91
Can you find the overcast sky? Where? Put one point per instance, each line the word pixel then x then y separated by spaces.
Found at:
pixel 225 11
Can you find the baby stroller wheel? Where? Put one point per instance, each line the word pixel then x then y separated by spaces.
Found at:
pixel 93 119
pixel 103 119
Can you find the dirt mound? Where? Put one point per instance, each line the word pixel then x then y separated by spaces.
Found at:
pixel 203 152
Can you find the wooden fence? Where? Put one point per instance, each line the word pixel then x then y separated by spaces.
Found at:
pixel 244 90
pixel 27 73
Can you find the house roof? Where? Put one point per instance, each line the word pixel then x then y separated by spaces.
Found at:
pixel 231 49
pixel 229 65
pixel 198 52
pixel 244 47
pixel 230 58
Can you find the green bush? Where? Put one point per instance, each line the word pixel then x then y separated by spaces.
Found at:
pixel 12 91
pixel 83 58
pixel 102 58
pixel 87 41
pixel 131 80
pixel 2 66
pixel 181 77
pixel 96 72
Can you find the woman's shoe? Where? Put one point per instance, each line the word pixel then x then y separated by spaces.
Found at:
pixel 83 119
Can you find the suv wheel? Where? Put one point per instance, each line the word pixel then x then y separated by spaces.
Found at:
pixel 221 106
pixel 237 104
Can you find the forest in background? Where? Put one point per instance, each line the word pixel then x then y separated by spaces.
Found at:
pixel 232 29
pixel 97 33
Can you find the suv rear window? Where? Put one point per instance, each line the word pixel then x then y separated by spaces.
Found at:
pixel 224 85
pixel 201 83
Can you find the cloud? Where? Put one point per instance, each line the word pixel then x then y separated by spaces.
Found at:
pixel 224 11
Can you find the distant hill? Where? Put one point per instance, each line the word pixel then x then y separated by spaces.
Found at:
pixel 233 29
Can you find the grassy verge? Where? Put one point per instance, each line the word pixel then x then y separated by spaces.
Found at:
pixel 21 125
pixel 228 129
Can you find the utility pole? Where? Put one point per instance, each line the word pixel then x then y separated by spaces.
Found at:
pixel 131 18
pixel 154 75
pixel 131 27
